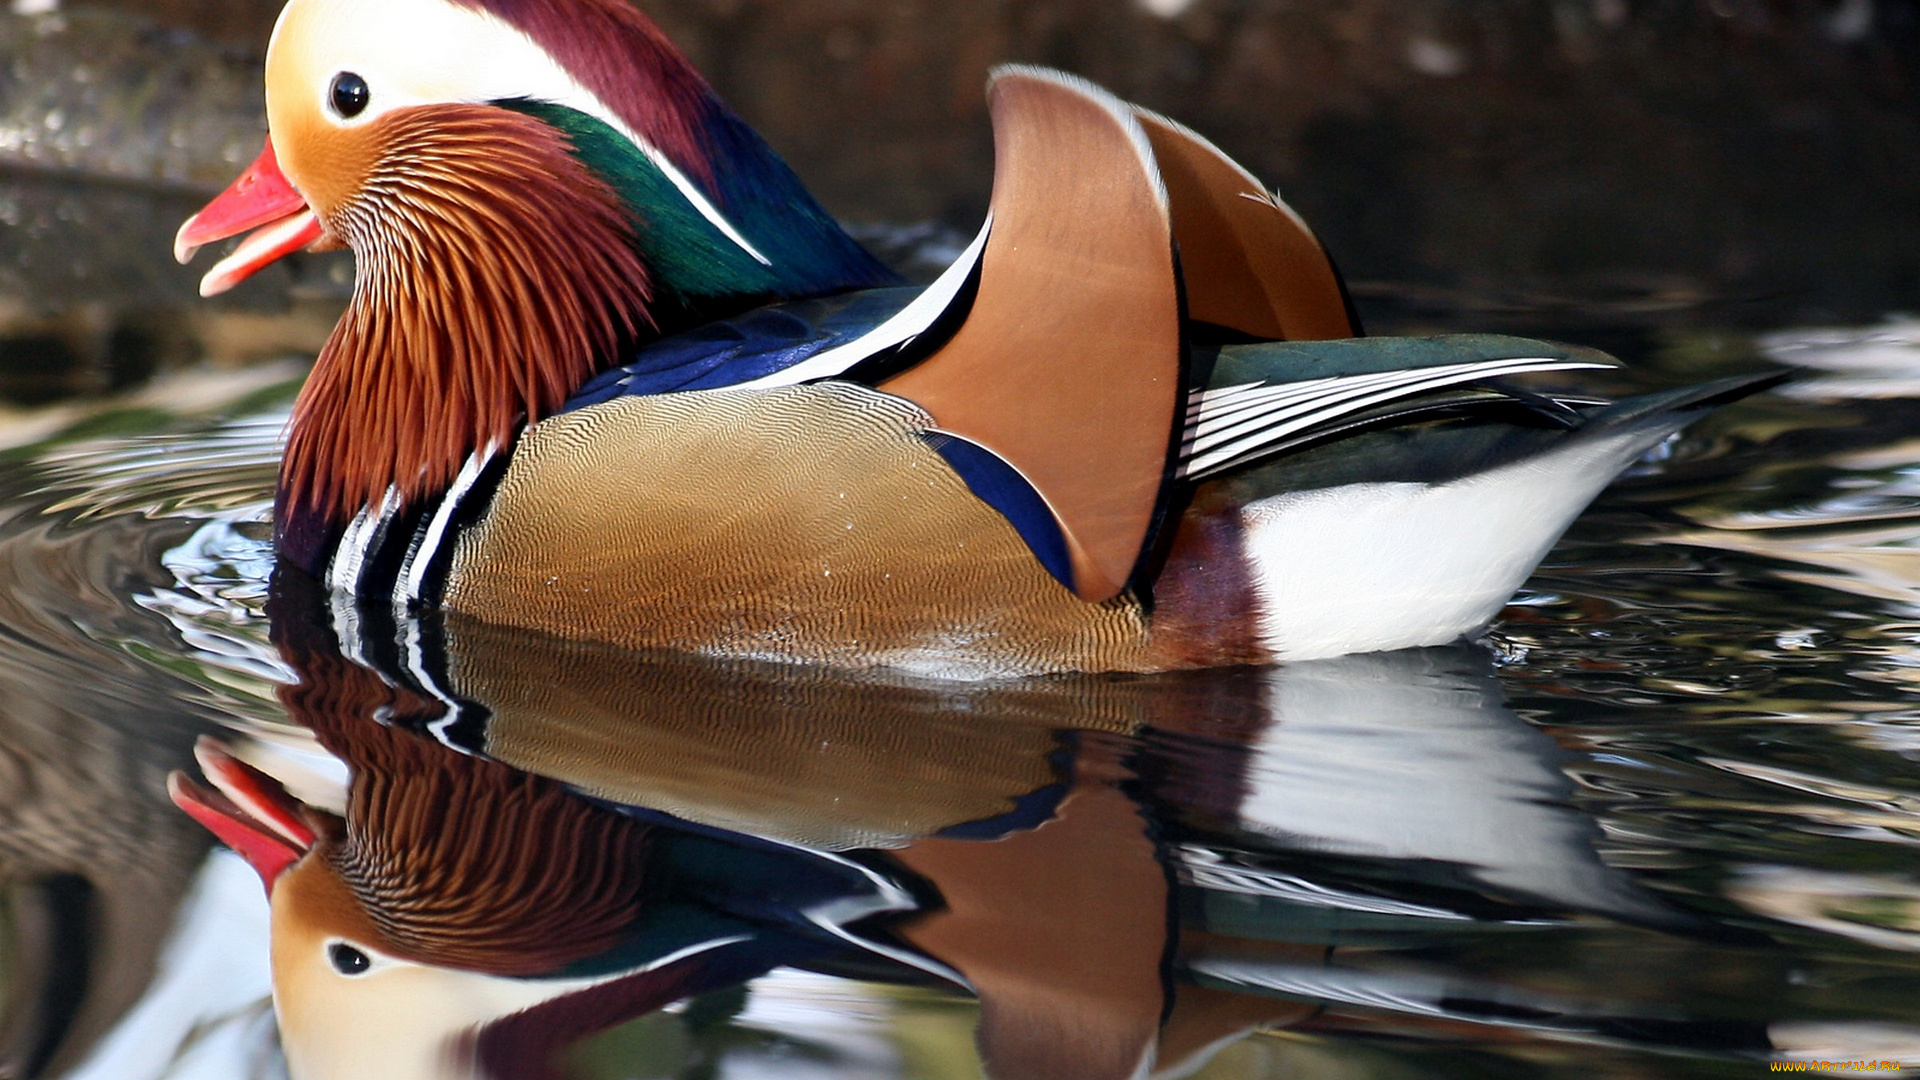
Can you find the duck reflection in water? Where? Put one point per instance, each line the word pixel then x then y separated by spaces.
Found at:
pixel 540 840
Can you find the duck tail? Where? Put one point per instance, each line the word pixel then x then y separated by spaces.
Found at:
pixel 1678 408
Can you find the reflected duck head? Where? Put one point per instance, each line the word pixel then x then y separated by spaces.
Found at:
pixel 465 919
pixel 453 893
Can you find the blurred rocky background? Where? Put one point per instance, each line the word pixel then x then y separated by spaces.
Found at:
pixel 1518 164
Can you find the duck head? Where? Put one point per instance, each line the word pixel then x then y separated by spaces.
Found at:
pixel 528 187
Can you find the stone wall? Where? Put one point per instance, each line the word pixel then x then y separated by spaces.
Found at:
pixel 1752 160
pixel 1755 156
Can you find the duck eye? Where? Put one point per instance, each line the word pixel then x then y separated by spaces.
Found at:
pixel 350 94
pixel 348 960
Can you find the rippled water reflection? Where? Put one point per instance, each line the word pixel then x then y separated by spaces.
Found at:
pixel 1660 822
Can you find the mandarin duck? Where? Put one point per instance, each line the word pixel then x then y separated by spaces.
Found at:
pixel 608 371
pixel 539 838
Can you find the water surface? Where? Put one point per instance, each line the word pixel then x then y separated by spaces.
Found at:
pixel 1659 821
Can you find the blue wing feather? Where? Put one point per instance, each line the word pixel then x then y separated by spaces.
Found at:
pixel 998 484
pixel 746 347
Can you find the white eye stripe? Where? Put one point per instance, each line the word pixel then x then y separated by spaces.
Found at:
pixel 425 54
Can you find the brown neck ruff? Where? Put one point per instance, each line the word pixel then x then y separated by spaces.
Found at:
pixel 451 860
pixel 464 863
pixel 495 274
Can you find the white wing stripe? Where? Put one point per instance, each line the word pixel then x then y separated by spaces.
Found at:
pixel 1316 393
pixel 1294 398
pixel 1245 437
pixel 908 323
pixel 1333 399
pixel 1313 392
pixel 1254 435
